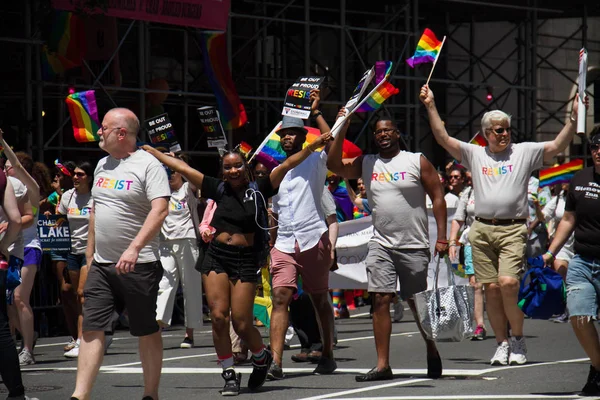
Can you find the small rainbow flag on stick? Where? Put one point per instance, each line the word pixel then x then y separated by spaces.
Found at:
pixel 382 91
pixel 84 114
pixel 245 149
pixel 479 140
pixel 561 174
pixel 428 50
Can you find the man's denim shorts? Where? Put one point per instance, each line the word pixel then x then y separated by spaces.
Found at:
pixel 583 286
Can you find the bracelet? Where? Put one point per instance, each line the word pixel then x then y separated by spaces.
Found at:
pixel 550 254
pixel 452 242
pixel 442 241
pixel 316 115
pixel 571 118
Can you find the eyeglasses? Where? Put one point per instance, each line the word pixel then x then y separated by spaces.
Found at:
pixel 455 176
pixel 500 131
pixel 594 147
pixel 80 174
pixel 104 130
pixel 383 130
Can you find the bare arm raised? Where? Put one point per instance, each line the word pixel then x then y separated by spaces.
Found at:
pixel 452 145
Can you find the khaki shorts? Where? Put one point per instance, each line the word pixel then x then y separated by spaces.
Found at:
pixel 498 250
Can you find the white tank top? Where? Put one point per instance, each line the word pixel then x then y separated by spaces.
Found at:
pixel 397 199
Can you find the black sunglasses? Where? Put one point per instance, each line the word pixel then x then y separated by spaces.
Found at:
pixel 500 131
pixel 594 147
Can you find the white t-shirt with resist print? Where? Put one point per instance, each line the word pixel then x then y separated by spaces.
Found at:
pixel 77 208
pixel 500 180
pixel 179 224
pixel 397 198
pixel 123 191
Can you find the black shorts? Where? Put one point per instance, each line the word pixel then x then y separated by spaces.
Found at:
pixel 239 263
pixel 105 291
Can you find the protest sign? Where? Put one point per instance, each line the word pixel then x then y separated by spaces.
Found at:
pixel 211 124
pixel 352 248
pixel 160 130
pixel 356 96
pixel 54 233
pixel 297 99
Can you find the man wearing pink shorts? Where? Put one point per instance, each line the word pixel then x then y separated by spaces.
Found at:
pixel 302 246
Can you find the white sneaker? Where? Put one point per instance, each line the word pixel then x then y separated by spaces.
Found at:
pixel 398 312
pixel 26 358
pixel 518 351
pixel 74 352
pixel 501 355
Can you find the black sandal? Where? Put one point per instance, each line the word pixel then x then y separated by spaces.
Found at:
pixel 376 375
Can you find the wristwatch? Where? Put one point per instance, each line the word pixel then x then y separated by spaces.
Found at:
pixel 316 114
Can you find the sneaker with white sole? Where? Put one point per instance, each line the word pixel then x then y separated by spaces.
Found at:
pixel 70 345
pixel 518 351
pixel 398 312
pixel 501 355
pixel 74 352
pixel 26 358
pixel 187 343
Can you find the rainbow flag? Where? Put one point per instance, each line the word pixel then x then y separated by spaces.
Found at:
pixel 245 149
pixel 84 115
pixel 479 140
pixel 383 91
pixel 65 46
pixel 428 49
pixel 271 154
pixel 216 67
pixel 561 174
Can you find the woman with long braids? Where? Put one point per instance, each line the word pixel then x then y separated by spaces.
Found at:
pixel 229 269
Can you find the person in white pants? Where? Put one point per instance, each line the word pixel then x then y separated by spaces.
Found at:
pixel 178 255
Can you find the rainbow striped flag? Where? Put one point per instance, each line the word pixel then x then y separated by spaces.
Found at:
pixel 561 174
pixel 84 115
pixel 216 67
pixel 383 91
pixel 479 140
pixel 65 46
pixel 271 154
pixel 245 149
pixel 428 49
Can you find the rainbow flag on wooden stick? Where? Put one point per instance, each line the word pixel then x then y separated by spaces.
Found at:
pixel 84 115
pixel 561 174
pixel 382 91
pixel 428 49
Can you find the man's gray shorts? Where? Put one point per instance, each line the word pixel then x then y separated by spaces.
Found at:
pixel 385 266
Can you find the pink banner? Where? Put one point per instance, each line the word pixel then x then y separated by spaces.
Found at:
pixel 206 14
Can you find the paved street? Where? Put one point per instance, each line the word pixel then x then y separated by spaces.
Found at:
pixel 557 368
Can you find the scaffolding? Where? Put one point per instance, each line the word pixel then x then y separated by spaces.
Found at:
pixel 272 42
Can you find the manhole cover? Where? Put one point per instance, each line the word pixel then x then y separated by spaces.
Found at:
pixel 33 389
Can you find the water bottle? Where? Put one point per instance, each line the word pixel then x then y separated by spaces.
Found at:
pixel 44 325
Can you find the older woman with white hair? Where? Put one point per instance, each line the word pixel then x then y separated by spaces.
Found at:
pixel 498 236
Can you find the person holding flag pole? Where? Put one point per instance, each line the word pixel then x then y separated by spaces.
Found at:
pixel 499 234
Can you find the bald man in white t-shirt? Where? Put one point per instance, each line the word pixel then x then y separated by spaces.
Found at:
pixel 130 192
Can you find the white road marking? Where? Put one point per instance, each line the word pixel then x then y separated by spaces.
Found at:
pixel 64 343
pixel 367 389
pixel 337 395
pixel 472 397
